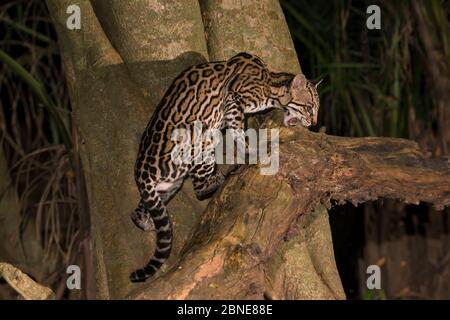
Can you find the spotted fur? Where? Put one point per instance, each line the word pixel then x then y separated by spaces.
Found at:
pixel 219 94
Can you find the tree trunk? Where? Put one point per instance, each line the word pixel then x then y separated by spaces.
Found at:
pixel 119 65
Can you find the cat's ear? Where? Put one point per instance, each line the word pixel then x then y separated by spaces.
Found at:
pixel 299 81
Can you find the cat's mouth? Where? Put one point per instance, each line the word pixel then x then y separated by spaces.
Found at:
pixel 290 121
pixel 293 122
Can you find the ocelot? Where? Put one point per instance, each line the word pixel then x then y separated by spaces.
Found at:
pixel 219 94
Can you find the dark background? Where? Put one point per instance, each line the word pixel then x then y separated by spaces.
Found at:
pixel 376 83
pixel 379 83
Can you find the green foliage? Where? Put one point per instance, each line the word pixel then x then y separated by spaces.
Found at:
pixel 35 134
pixel 374 295
pixel 39 91
pixel 374 80
pixel 29 69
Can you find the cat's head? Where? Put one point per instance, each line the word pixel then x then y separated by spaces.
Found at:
pixel 300 102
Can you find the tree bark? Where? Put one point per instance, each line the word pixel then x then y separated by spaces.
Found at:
pixel 23 284
pixel 232 26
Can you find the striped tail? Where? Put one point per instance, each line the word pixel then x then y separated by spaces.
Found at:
pixel 163 226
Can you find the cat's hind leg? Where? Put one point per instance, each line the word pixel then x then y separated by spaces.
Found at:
pixel 206 180
pixel 142 219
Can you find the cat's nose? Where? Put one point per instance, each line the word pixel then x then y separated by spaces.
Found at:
pixel 314 120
